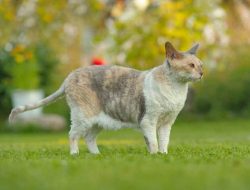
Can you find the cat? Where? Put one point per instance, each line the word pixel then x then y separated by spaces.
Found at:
pixel 113 97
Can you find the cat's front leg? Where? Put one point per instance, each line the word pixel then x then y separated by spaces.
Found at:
pixel 149 131
pixel 163 138
pixel 163 132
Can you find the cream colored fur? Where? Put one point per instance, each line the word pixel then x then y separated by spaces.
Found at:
pixel 165 101
pixel 118 97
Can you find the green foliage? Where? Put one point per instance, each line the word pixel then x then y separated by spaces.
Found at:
pixel 47 61
pixel 5 77
pixel 202 155
pixel 140 38
pixel 20 67
pixel 225 90
pixel 27 67
pixel 25 75
pixel 24 67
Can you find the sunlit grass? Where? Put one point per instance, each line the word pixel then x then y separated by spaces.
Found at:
pixel 202 155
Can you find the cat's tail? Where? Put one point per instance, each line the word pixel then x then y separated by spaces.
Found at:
pixel 51 98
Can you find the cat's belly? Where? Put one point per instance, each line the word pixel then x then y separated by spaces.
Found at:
pixel 105 121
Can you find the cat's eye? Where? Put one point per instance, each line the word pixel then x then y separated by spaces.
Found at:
pixel 191 65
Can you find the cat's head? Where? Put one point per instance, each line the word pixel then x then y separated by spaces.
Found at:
pixel 185 65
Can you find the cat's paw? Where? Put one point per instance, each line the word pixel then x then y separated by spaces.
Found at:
pixel 74 153
pixel 163 152
pixel 154 151
pixel 96 152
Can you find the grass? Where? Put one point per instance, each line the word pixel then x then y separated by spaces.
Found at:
pixel 202 155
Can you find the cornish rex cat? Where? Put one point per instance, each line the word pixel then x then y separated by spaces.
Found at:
pixel 113 97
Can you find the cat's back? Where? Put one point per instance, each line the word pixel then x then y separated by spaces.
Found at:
pixel 115 90
pixel 102 76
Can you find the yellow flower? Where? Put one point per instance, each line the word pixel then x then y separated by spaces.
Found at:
pixel 9 16
pixel 17 49
pixel 19 58
pixel 47 18
pixel 28 55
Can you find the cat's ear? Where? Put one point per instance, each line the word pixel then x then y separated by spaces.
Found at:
pixel 171 52
pixel 193 49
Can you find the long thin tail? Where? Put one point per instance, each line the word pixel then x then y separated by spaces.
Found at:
pixel 51 98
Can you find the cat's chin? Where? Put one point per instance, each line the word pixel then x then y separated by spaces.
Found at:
pixel 193 79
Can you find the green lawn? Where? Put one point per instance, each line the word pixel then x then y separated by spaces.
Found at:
pixel 202 155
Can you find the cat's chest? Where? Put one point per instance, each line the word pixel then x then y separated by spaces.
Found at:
pixel 171 98
pixel 166 104
pixel 165 98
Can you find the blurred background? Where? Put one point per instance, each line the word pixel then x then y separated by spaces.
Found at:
pixel 42 41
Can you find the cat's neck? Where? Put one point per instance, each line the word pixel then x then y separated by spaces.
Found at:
pixel 164 74
pixel 163 85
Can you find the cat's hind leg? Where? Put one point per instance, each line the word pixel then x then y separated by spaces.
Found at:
pixel 73 140
pixel 90 139
pixel 78 128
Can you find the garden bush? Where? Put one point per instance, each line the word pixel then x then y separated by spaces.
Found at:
pixel 25 67
pixel 225 91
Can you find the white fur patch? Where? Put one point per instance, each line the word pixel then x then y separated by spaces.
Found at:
pixel 107 122
pixel 159 99
pixel 81 124
pixel 168 97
